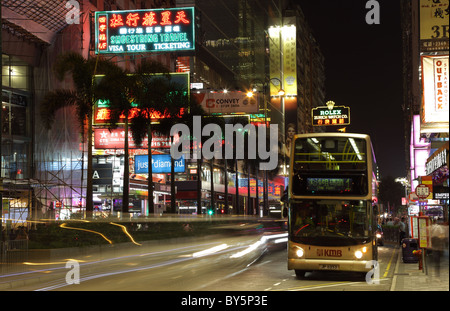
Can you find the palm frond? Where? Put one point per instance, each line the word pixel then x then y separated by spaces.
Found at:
pixel 74 64
pixel 54 101
pixel 139 127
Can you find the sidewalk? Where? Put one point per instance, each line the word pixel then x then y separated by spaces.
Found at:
pixel 408 277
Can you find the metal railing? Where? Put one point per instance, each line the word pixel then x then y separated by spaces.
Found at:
pixel 12 255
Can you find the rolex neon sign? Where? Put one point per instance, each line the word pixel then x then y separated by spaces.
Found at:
pixel 330 115
pixel 141 31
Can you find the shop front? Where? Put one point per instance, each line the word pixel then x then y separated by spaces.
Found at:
pixel 437 173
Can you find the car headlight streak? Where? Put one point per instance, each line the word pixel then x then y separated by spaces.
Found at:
pixel 278 238
pixel 210 251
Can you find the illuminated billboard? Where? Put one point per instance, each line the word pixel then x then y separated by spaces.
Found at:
pixel 141 31
pixel 435 94
pixel 230 102
pixel 102 111
pixel 115 139
pixel 283 58
pixel 323 116
pixel 434 25
pixel 161 164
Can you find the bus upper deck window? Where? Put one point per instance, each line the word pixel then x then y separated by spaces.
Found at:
pixel 329 144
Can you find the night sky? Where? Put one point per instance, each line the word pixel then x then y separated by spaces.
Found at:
pixel 363 68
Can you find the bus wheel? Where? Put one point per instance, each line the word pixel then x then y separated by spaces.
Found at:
pixel 300 274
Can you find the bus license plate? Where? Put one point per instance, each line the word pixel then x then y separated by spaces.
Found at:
pixel 329 267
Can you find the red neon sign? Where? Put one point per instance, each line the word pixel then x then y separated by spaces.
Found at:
pixel 132 19
pixel 139 31
pixel 144 19
pixel 102 27
pixel 165 18
pixel 103 115
pixel 149 19
pixel 116 21
pixel 181 18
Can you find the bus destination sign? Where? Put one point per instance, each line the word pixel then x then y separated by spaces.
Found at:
pixel 141 31
pixel 338 115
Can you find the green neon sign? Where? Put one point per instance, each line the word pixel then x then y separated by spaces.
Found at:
pixel 141 31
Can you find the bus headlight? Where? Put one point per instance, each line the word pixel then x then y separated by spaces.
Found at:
pixel 299 252
pixel 358 254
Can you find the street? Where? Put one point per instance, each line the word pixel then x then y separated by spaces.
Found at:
pixel 236 263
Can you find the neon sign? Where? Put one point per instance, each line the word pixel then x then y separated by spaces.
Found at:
pixel 140 31
pixel 323 116
pixel 102 114
pixel 102 111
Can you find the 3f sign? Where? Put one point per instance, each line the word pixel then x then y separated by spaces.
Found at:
pixel 373 16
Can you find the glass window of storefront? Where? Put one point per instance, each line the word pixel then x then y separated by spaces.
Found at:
pixel 15 119
pixel 15 73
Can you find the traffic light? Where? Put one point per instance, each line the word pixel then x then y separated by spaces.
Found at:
pixel 210 212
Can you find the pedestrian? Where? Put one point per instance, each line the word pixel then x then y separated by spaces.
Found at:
pixel 438 237
pixel 22 234
pixel 12 234
pixel 402 230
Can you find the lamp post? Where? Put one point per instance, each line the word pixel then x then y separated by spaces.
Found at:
pixel 281 93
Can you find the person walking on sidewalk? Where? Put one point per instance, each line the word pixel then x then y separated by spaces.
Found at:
pixel 438 238
pixel 402 230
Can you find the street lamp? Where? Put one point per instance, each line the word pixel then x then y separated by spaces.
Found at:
pixel 281 94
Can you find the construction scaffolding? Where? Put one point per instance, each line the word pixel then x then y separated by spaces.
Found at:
pixel 42 174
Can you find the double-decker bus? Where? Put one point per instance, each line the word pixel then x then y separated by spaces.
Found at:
pixel 332 218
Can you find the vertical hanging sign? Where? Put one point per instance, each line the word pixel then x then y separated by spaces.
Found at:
pixel 102 29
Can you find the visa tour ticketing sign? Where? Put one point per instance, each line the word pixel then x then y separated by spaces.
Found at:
pixel 141 31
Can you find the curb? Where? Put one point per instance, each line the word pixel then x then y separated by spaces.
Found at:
pixel 394 278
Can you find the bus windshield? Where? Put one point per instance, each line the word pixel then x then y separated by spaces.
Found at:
pixel 330 222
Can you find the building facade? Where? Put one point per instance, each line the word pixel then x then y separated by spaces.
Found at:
pixel 425 27
pixel 43 172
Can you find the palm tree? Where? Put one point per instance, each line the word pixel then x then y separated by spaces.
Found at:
pixel 82 96
pixel 184 100
pixel 150 92
pixel 117 87
pixel 155 96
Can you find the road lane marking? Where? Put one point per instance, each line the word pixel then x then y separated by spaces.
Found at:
pixel 306 287
pixel 389 264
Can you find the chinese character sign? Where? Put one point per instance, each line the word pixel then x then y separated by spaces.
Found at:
pixel 141 31
pixel 434 25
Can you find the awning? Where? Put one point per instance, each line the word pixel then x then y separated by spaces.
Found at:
pixel 42 19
